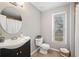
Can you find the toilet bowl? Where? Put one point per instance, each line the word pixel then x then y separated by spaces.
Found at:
pixel 43 46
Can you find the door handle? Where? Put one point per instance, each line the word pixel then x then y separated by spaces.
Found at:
pixel 17 53
pixel 20 51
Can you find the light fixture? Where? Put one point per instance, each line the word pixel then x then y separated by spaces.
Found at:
pixel 18 3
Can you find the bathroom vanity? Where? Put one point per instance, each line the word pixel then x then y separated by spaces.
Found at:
pixel 14 44
pixel 23 51
pixel 19 47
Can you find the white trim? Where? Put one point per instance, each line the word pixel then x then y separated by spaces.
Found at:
pixel 35 51
pixel 54 49
pixel 39 48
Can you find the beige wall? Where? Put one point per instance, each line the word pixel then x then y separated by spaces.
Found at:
pixel 31 23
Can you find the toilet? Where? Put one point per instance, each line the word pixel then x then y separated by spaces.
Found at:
pixel 43 46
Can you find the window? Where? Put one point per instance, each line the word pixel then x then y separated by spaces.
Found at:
pixel 59 28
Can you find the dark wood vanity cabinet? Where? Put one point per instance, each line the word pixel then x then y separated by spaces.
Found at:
pixel 23 51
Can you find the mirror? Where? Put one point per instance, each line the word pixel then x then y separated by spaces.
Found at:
pixel 10 20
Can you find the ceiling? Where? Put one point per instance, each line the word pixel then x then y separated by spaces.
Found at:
pixel 43 6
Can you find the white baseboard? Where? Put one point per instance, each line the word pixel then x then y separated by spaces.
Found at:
pixel 54 49
pixel 39 48
pixel 35 51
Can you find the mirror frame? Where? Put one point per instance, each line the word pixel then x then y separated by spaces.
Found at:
pixel 21 18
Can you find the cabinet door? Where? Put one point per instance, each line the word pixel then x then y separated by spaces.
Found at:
pixel 25 50
pixel 8 53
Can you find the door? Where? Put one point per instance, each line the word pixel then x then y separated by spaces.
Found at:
pixel 77 32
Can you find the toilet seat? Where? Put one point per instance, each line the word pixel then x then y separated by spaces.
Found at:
pixel 45 46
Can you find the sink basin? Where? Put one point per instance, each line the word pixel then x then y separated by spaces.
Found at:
pixel 12 44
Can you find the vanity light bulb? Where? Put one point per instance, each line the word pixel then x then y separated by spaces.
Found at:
pixel 20 3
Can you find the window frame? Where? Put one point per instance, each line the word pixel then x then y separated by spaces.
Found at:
pixel 65 28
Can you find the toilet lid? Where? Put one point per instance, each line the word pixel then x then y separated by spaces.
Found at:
pixel 44 45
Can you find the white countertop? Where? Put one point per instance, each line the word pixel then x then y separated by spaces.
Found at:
pixel 12 44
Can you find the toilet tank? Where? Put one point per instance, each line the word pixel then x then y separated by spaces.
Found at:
pixel 39 41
